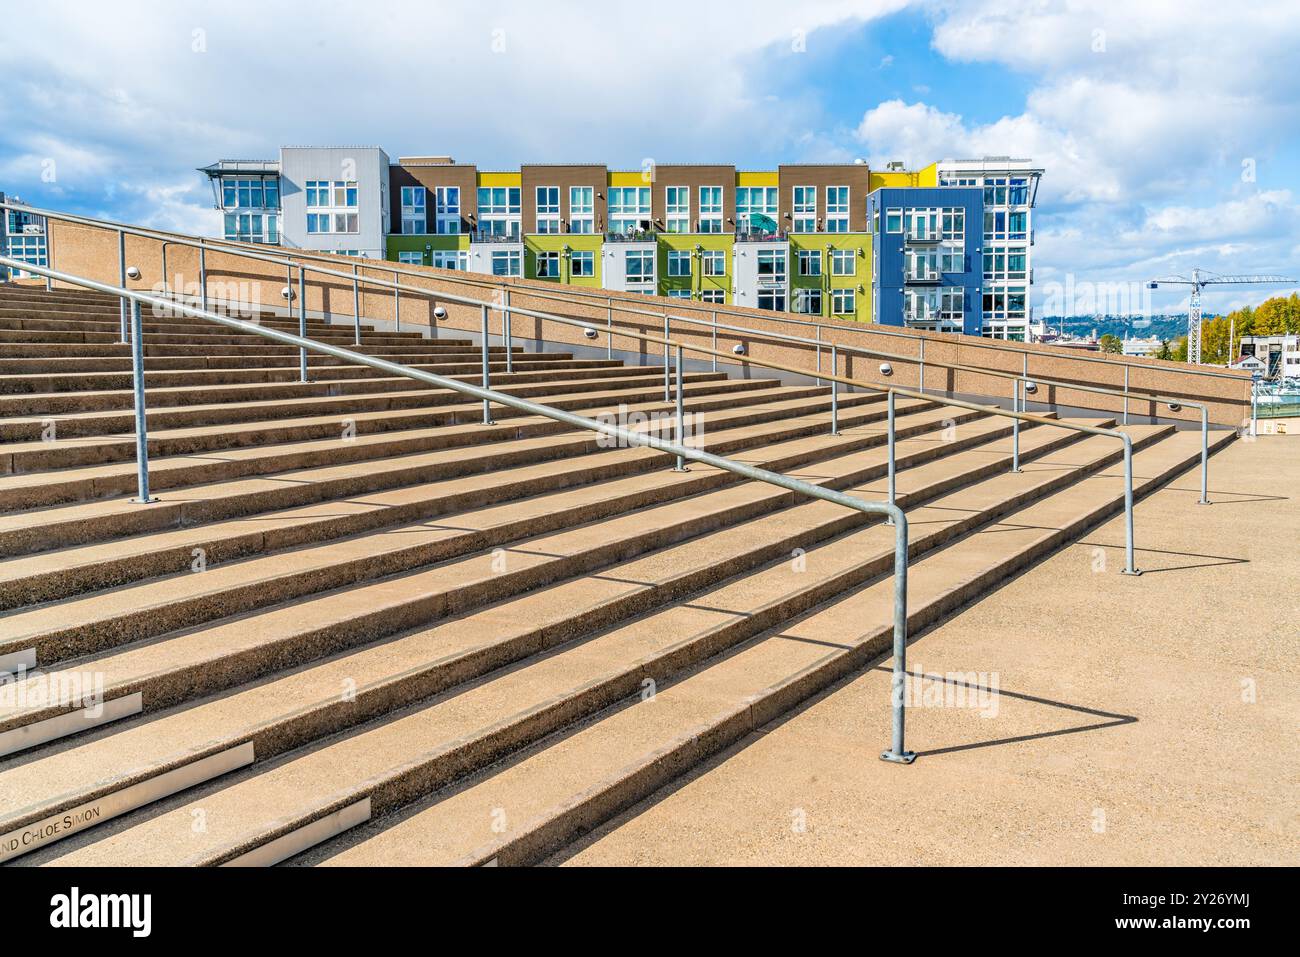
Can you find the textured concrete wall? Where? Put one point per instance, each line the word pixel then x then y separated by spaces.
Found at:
pixel 93 253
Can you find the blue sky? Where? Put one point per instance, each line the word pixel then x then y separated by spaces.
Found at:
pixel 1168 130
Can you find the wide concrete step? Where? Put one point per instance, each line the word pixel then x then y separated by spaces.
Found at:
pixel 254 373
pixel 181 345
pixel 57 331
pixel 231 359
pixel 44 404
pixel 31 490
pixel 72 452
pixel 400 757
pixel 104 619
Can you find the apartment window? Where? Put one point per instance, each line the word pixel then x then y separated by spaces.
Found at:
pixel 629 208
pixel 995 191
pixel 548 209
pixel 1018 225
pixel 893 220
pixel 995 263
pixel 755 200
pixel 952 259
pixel 713 262
pixel 507 262
pixel 810 262
pixel 446 201
pixel 808 302
pixel 805 209
pixel 844 262
pixel 451 259
pixel 715 296
pixel 1016 262
pixel 29 248
pixel 771 265
pixel 952 305
pixel 639 266
pixel 921 223
pixel 995 224
pixel 837 209
pixel 1015 302
pixel 548 265
pixel 582 217
pixel 679 294
pixel 339 197
pixel 773 299
pixel 257 193
pixel 710 209
pixel 252 228
pixel 679 262
pixel 677 213
pixel 582 263
pixel 414 221
pixel 844 302
pixel 954 223
pixel 410 257
pixel 498 211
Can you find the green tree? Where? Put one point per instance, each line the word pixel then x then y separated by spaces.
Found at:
pixel 1164 352
pixel 1111 344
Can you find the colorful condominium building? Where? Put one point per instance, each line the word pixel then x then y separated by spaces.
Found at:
pixel 814 239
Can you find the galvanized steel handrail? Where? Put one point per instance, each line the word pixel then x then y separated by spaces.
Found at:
pixel 893 514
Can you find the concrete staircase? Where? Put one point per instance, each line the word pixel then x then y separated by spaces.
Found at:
pixel 361 627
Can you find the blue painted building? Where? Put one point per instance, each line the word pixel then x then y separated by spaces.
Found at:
pixel 928 257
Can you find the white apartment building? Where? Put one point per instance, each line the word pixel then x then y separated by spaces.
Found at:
pixel 328 199
pixel 1280 354
pixel 1010 191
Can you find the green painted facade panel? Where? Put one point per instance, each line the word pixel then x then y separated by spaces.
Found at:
pixel 859 282
pixel 566 244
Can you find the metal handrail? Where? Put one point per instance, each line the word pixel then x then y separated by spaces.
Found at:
pixel 580 292
pixel 683 452
pixel 668 344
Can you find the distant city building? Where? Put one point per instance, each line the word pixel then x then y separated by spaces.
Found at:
pixel 1248 363
pixel 1279 354
pixel 22 237
pixel 797 238
pixel 1142 347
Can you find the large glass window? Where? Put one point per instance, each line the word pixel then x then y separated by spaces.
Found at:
pixel 805 210
pixel 844 262
pixel 837 209
pixel 639 266
pixel 810 263
pixel 548 265
pixel 410 257
pixel 710 209
pixel 498 211
pixel 844 302
pixel 581 210
pixel 414 220
pixel 679 262
pixel 714 262
pixel 771 265
pixel 752 200
pixel 256 193
pixel 808 302
pixel 507 262
pixel 677 212
pixel 773 299
pixel 447 210
pixel 548 209
pixel 629 208
pixel 582 263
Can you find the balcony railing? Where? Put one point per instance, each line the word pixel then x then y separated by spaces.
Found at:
pixel 478 236
pixel 918 237
pixel 761 235
pixel 632 236
pixel 922 276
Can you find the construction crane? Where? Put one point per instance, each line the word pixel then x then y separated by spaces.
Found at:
pixel 1200 279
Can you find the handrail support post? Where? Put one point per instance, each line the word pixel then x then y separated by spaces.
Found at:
pixel 898 753
pixel 681 417
pixel 487 406
pixel 141 429
pixel 302 323
pixel 889 407
pixel 835 390
pixel 1129 567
